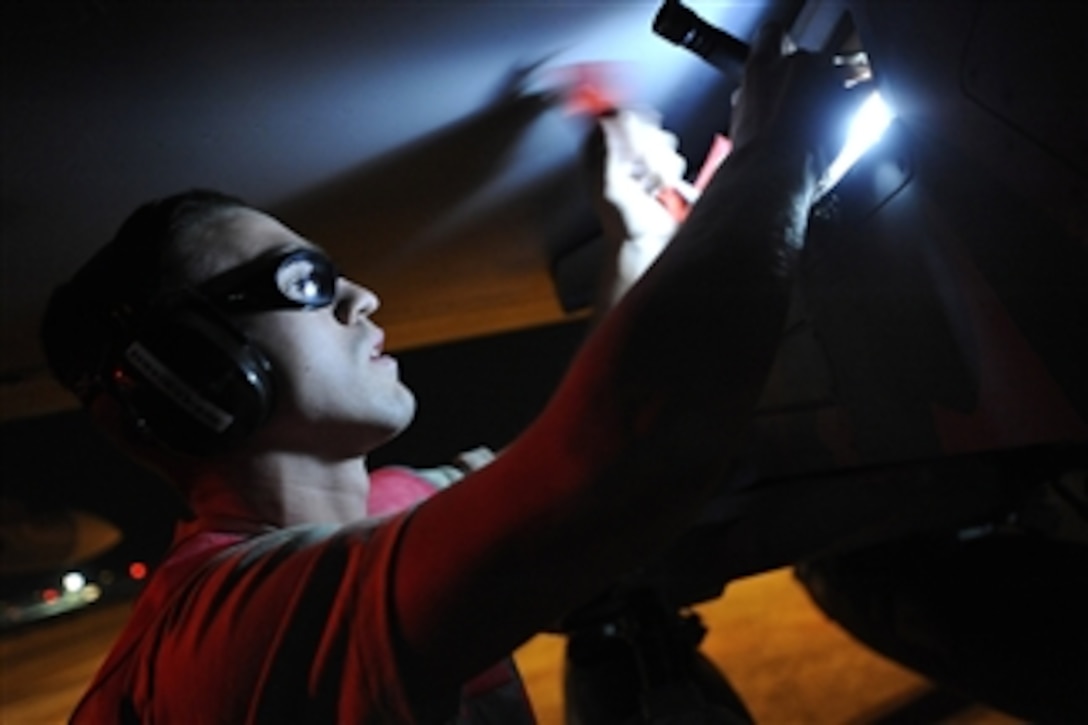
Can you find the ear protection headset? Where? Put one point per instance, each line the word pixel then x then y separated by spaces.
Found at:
pixel 189 379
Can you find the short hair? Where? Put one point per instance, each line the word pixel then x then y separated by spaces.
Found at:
pixel 88 319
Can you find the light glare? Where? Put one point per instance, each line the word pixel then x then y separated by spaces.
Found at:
pixel 73 581
pixel 868 125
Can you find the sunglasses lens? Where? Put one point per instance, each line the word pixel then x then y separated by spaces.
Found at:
pixel 306 279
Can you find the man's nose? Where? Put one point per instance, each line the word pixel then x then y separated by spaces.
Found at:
pixel 354 301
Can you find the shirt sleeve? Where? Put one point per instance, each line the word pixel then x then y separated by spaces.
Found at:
pixel 395 488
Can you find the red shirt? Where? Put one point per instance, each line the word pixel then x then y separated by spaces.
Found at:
pixel 282 625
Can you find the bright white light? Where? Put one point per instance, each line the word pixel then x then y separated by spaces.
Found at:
pixel 868 125
pixel 73 581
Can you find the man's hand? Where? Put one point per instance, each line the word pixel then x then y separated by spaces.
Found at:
pixel 791 99
pixel 641 161
pixel 637 164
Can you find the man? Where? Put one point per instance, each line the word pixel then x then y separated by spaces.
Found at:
pixel 222 348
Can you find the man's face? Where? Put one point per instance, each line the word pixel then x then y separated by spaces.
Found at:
pixel 337 394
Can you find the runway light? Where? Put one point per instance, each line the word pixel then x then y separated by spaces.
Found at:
pixel 73 581
pixel 866 128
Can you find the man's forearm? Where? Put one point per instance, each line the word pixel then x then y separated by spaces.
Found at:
pixel 653 408
pixel 705 319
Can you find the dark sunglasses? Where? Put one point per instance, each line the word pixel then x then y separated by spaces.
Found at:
pixel 297 279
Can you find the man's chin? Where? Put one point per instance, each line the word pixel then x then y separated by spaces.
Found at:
pixel 400 422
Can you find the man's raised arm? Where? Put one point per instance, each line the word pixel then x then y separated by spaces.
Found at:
pixel 651 411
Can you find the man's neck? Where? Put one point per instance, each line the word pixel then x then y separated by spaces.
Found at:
pixel 281 489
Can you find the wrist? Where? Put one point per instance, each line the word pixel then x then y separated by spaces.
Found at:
pixel 768 188
pixel 791 166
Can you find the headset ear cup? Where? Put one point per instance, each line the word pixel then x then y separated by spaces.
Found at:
pixel 192 382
